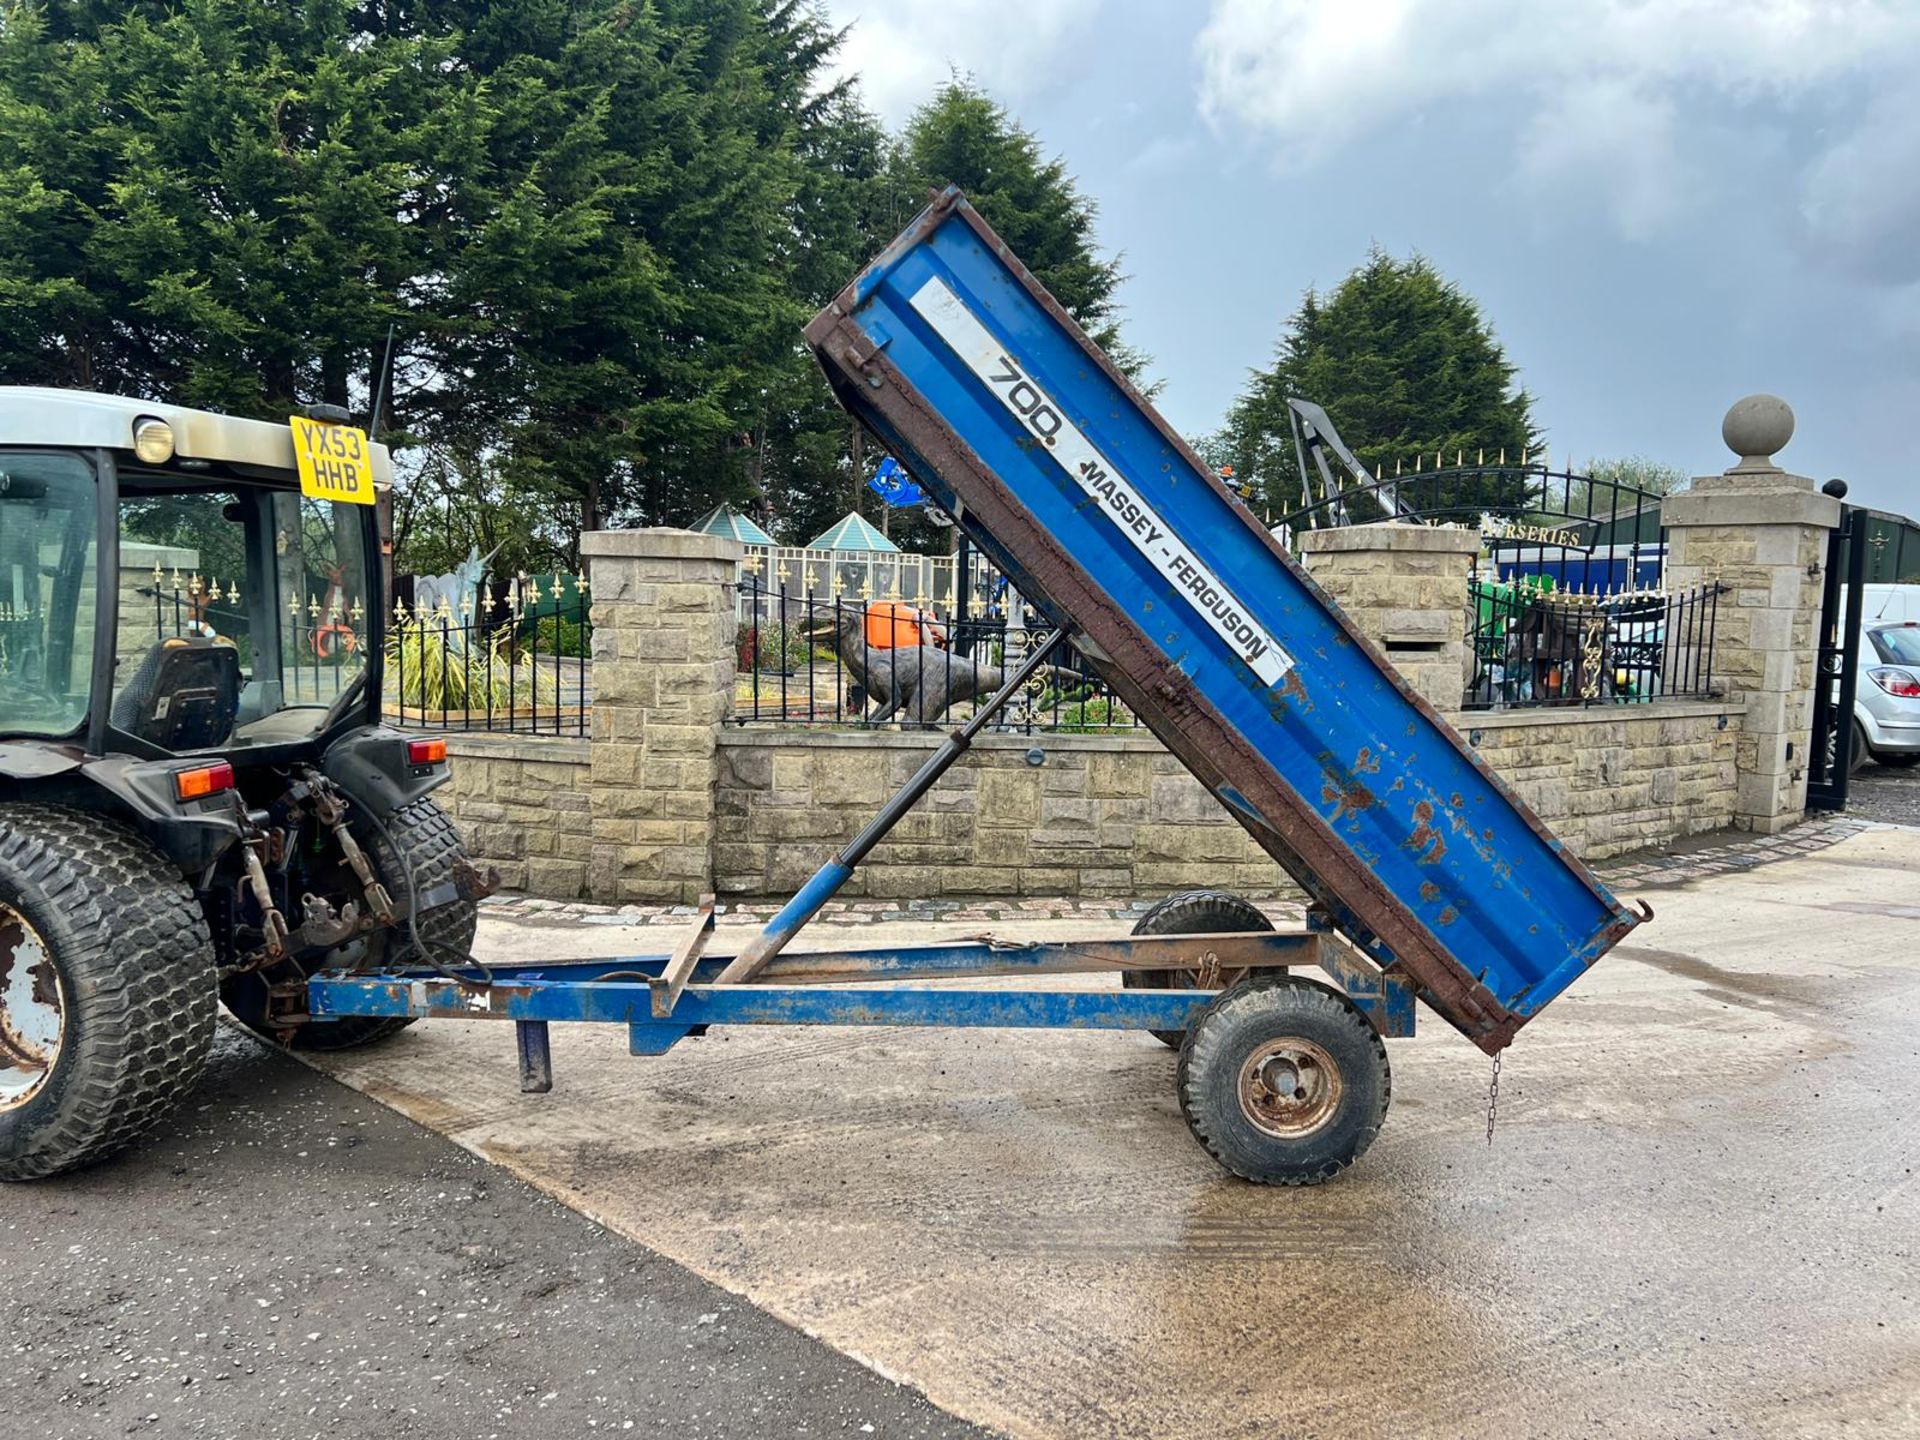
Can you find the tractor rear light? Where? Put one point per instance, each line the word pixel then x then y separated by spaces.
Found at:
pixel 203 780
pixel 426 752
pixel 1896 681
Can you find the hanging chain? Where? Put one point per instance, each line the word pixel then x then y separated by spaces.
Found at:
pixel 1493 1095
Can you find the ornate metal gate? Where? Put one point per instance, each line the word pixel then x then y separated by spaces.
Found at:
pixel 1837 663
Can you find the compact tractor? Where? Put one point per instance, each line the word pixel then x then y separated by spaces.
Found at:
pixel 199 804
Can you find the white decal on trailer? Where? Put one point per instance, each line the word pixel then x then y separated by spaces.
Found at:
pixel 1100 480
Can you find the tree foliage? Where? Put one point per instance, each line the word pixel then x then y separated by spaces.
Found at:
pixel 1405 365
pixel 595 228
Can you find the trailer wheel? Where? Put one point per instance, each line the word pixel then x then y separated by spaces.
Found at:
pixel 419 841
pixel 1192 912
pixel 106 989
pixel 1284 1081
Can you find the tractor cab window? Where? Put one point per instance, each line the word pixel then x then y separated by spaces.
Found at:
pixel 47 592
pixel 241 611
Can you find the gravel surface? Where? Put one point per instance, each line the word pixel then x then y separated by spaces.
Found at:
pixel 1885 792
pixel 289 1259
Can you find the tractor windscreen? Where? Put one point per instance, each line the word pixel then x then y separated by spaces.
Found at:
pixel 47 592
pixel 242 612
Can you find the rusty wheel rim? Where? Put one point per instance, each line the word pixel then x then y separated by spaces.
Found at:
pixel 33 1011
pixel 1289 1088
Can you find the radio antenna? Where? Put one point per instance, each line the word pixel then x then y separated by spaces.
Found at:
pixel 380 390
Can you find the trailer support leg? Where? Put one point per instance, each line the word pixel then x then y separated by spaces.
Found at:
pixel 828 879
pixel 536 1060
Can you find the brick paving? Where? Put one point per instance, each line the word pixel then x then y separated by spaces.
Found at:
pixel 1703 856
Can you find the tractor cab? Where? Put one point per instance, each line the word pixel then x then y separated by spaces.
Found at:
pixel 166 587
pixel 190 681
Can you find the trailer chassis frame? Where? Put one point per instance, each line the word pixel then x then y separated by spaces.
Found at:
pixel 663 999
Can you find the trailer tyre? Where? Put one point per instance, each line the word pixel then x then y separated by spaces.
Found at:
pixel 419 841
pixel 1284 1081
pixel 1192 912
pixel 106 989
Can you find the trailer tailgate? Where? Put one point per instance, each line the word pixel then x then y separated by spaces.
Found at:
pixel 1203 623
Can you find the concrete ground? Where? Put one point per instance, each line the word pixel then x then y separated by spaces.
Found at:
pixel 288 1259
pixel 1700 1214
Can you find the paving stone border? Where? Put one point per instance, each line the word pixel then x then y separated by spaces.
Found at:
pixel 1721 855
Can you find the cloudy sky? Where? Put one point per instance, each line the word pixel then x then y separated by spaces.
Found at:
pixel 1662 204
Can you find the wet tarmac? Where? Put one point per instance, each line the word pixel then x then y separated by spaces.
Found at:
pixel 1700 1213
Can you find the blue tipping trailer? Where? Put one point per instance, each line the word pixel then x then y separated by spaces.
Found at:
pixel 1061 471
pixel 1429 878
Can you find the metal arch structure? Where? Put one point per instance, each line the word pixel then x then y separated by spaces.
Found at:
pixel 1314 438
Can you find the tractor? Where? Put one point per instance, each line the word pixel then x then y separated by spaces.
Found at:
pixel 199 804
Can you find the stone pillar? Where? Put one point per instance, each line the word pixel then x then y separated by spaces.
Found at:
pixel 663 676
pixel 1762 533
pixel 1405 587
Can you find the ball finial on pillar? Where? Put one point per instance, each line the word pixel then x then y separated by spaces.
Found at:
pixel 1756 429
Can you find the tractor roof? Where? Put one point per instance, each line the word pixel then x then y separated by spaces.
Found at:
pixel 31 415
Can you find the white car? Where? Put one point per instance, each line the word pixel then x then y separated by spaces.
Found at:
pixel 1886 702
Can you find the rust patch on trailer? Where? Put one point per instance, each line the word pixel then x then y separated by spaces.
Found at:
pixel 1429 891
pixel 1341 789
pixel 46 989
pixel 1426 841
pixel 1295 689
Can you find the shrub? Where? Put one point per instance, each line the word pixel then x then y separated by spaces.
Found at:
pixel 427 669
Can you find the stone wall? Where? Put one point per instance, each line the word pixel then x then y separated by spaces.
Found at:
pixel 663 667
pixel 1101 815
pixel 1619 778
pixel 523 804
pixel 1113 815
pixel 1404 587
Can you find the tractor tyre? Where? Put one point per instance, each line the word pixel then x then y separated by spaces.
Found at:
pixel 418 844
pixel 107 987
pixel 1192 912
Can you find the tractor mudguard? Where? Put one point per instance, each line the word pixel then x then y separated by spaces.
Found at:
pixel 191 833
pixel 371 765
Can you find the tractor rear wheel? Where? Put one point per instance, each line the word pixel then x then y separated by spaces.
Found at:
pixel 418 844
pixel 1192 912
pixel 106 988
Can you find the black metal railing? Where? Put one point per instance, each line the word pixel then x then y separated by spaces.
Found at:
pixel 833 661
pixel 1533 646
pixel 1586 531
pixel 516 659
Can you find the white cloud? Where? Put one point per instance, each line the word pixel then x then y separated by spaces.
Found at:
pixel 901 50
pixel 1614 96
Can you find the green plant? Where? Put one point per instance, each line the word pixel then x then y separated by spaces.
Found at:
pixel 1099 712
pixel 557 635
pixel 776 647
pixel 427 669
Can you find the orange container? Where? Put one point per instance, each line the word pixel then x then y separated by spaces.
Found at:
pixel 893 625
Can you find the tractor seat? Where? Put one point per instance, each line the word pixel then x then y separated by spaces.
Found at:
pixel 184 696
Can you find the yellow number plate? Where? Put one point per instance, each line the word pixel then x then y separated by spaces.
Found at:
pixel 336 462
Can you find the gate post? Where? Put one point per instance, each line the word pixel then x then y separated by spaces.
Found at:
pixel 1405 587
pixel 663 668
pixel 1761 533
